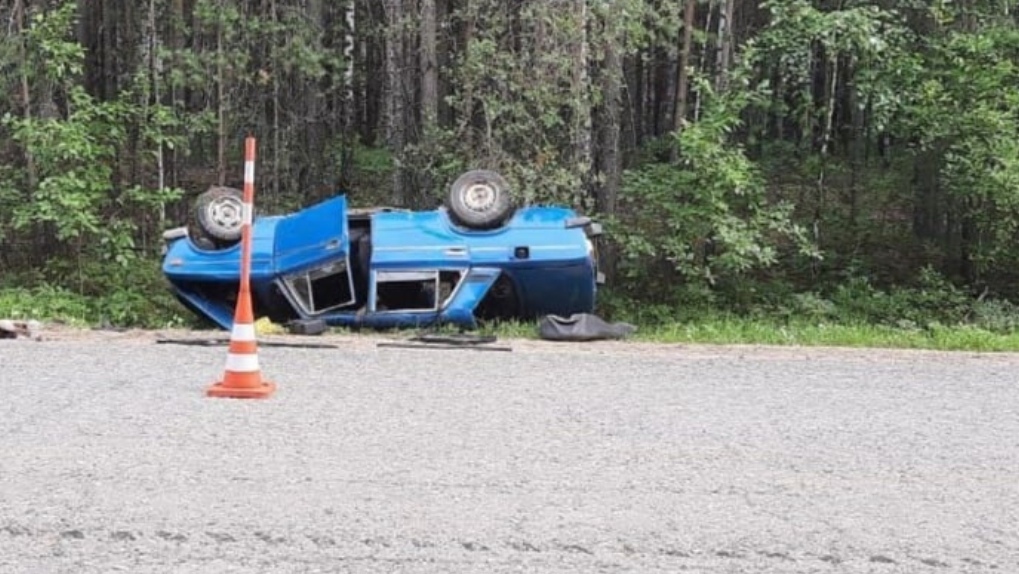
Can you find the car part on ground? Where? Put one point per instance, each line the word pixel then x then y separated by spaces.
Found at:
pixel 442 346
pixel 307 327
pixel 216 342
pixel 454 338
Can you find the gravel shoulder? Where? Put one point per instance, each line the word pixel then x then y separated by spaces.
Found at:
pixel 556 457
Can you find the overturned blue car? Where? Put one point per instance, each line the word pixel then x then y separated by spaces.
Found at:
pixel 478 257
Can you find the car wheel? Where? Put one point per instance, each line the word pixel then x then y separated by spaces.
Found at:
pixel 219 214
pixel 480 199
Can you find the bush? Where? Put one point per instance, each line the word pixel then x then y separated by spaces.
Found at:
pixel 95 293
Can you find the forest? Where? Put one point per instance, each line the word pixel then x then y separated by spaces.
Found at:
pixel 853 159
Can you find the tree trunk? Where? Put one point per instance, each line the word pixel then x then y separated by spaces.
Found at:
pixel 429 70
pixel 581 102
pixel 175 41
pixel 684 64
pixel 220 108
pixel 155 71
pixel 703 66
pixel 725 42
pixel 609 156
pixel 349 98
pixel 637 107
pixel 610 81
pixel 429 67
pixel 396 128
pixel 826 135
pixel 277 70
pixel 444 60
pixel 26 93
pixel 857 144
pixel 467 111
pixel 349 36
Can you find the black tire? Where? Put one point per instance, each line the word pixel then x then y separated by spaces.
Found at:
pixel 480 199
pixel 219 215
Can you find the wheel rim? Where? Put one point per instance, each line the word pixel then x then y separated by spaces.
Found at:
pixel 479 197
pixel 226 213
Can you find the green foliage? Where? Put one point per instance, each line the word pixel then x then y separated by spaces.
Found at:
pixel 708 217
pixel 44 303
pixel 96 294
pixel 520 107
pixel 966 111
pixel 371 175
pixel 873 42
pixel 72 187
pixel 54 56
pixel 932 301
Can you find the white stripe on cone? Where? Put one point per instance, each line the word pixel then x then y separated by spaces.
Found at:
pixel 241 363
pixel 246 213
pixel 243 332
pixel 249 172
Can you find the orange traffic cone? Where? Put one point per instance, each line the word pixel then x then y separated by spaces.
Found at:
pixel 243 376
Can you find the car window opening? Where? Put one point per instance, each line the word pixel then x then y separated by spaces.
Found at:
pixel 414 290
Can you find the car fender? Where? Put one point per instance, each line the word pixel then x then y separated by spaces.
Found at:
pixel 469 294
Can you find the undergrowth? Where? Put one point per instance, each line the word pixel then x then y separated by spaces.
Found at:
pixel 94 295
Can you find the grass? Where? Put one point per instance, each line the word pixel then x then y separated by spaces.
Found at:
pixel 739 331
pixel 133 310
pixel 760 332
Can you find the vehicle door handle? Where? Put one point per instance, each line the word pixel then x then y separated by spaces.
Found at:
pixel 456 251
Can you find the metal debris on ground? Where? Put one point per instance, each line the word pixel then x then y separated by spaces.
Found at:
pixel 212 342
pixel 431 340
pixel 13 329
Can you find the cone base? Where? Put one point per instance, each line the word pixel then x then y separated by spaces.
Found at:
pixel 223 391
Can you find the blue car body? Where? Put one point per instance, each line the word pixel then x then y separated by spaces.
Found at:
pixel 394 268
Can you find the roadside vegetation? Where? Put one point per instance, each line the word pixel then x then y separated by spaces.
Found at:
pixel 932 315
pixel 786 171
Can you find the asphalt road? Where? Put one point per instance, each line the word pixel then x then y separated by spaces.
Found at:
pixel 563 458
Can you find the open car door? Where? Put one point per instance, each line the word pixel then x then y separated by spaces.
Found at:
pixel 312 258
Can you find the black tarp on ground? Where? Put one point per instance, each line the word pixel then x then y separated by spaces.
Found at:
pixel 581 327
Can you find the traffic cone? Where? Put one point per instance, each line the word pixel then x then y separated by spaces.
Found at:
pixel 243 377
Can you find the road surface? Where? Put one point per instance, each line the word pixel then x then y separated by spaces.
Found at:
pixel 565 458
